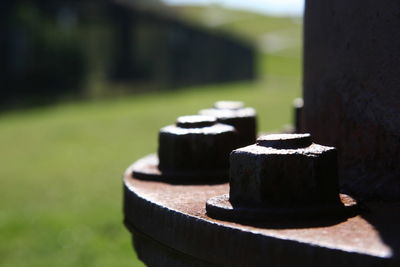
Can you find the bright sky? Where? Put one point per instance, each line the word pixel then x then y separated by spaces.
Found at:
pixel 276 7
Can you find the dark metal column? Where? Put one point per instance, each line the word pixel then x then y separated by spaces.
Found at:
pixel 352 90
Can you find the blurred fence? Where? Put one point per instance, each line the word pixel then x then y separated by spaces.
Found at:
pixel 48 48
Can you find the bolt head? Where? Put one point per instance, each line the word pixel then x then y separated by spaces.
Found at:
pixel 233 113
pixel 283 171
pixel 196 143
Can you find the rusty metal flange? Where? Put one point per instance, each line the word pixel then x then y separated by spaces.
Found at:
pixel 146 168
pixel 220 207
pixel 283 177
pixel 170 227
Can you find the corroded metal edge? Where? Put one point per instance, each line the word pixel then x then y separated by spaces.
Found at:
pixel 146 168
pixel 154 253
pixel 220 207
pixel 219 244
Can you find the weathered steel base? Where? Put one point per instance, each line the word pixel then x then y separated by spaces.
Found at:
pixel 171 228
pixel 146 168
pixel 220 207
pixel 154 253
pixel 351 91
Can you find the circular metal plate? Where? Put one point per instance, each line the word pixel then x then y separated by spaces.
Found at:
pixel 220 207
pixel 146 168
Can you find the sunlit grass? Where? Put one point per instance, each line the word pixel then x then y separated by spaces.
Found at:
pixel 61 166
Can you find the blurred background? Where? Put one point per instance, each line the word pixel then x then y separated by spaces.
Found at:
pixel 86 85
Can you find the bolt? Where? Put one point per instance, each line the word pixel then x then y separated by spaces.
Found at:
pixel 284 170
pixel 196 143
pixel 235 114
pixel 298 105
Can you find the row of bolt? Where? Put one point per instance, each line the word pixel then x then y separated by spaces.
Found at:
pixel 203 142
pixel 277 170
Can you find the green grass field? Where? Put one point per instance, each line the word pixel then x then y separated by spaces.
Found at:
pixel 61 166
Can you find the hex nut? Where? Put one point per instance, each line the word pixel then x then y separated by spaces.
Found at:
pixel 196 143
pixel 235 114
pixel 284 170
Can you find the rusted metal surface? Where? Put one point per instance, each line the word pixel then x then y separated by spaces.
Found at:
pixel 195 150
pixel 220 207
pixel 283 177
pixel 351 90
pixel 172 227
pixel 195 143
pixel 146 168
pixel 351 101
pixel 284 170
pixel 234 113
